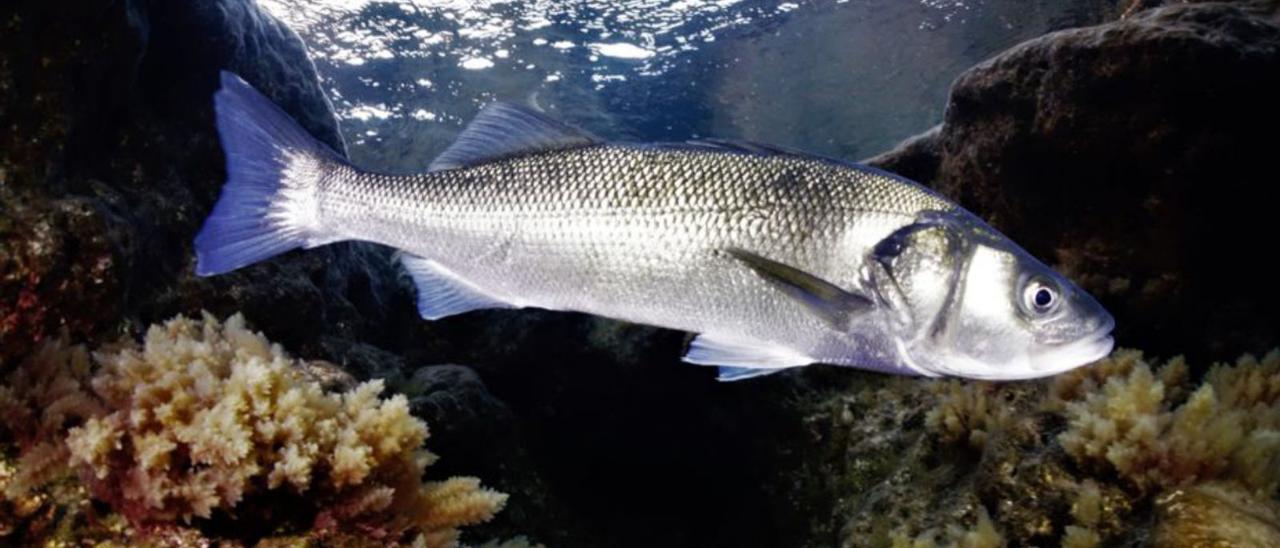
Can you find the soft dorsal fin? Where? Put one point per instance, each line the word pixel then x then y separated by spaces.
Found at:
pixel 745 147
pixel 504 129
pixel 442 293
pixel 833 304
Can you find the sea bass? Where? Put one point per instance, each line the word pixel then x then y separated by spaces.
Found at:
pixel 773 258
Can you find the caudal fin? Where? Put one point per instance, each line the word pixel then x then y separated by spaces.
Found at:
pixel 268 204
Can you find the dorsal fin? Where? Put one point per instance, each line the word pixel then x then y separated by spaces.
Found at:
pixel 504 129
pixel 745 147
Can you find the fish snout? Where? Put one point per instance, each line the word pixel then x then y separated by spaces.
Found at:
pixel 1093 342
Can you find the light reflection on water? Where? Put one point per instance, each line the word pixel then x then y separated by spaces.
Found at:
pixel 841 77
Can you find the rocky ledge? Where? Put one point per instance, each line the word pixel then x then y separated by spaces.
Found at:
pixel 1136 154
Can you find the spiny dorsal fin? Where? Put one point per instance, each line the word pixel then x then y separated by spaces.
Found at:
pixel 833 304
pixel 504 129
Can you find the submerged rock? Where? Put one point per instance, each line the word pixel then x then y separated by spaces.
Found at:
pixel 1216 515
pixel 109 161
pixel 1132 154
pixel 896 464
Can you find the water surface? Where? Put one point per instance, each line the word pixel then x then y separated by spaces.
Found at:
pixel 845 78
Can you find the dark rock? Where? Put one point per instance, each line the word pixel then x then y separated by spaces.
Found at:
pixel 452 397
pixel 915 158
pixel 1133 155
pixel 364 361
pixel 605 410
pixel 57 256
pixel 1216 515
pixel 476 434
pixel 109 161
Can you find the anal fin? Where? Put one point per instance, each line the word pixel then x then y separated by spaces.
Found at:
pixel 442 293
pixel 742 353
pixel 730 374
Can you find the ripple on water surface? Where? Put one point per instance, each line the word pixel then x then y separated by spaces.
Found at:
pixel 844 78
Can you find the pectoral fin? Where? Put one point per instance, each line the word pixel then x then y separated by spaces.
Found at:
pixel 830 302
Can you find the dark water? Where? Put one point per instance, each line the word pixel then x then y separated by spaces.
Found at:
pixel 846 78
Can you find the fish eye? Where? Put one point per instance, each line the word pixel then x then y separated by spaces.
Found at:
pixel 1040 297
pixel 1043 298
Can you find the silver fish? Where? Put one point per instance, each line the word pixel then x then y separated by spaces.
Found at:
pixel 776 259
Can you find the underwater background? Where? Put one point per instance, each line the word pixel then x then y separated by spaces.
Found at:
pixel 1128 144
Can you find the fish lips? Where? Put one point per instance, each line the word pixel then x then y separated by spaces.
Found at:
pixel 1062 357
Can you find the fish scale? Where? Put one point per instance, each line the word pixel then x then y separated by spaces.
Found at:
pixel 619 230
pixel 775 259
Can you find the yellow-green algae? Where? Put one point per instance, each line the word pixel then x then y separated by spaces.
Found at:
pixel 1134 433
pixel 1082 459
pixel 208 424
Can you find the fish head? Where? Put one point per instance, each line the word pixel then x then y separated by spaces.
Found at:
pixel 968 302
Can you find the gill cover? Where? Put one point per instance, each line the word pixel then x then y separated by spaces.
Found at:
pixel 916 271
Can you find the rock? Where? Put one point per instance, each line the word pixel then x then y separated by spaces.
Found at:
pixel 455 400
pixel 57 256
pixel 1216 514
pixel 476 433
pixel 109 162
pixel 915 158
pixel 1133 155
pixel 612 429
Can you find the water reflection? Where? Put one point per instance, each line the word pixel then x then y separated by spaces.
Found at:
pixel 845 77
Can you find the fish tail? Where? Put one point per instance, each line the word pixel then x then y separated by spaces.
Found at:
pixel 269 203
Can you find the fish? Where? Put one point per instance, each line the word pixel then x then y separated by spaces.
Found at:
pixel 772 258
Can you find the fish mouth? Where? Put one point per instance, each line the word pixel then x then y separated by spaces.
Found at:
pixel 1085 350
pixel 1045 361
